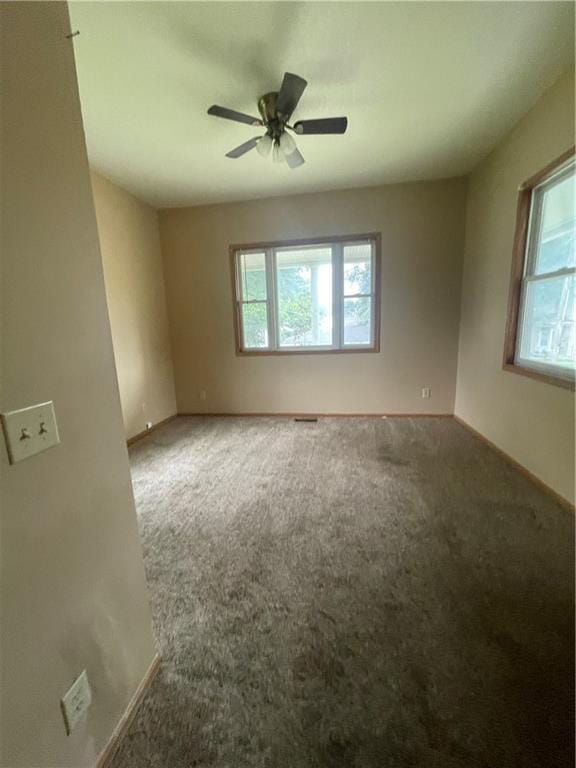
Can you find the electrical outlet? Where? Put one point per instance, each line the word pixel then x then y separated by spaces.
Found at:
pixel 148 425
pixel 76 701
pixel 426 393
pixel 202 394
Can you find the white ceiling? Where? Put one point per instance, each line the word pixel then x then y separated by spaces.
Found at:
pixel 428 87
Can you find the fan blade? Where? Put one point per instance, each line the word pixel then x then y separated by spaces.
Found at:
pixel 291 90
pixel 325 125
pixel 295 159
pixel 231 114
pixel 243 148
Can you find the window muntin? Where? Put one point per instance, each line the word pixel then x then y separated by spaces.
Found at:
pixel 304 297
pixel 546 337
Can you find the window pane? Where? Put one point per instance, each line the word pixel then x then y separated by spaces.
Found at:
pixel 253 276
pixel 304 297
pixel 357 320
pixel 556 239
pixel 548 332
pixel 255 325
pixel 357 269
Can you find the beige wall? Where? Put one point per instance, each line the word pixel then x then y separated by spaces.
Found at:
pixel 530 420
pixel 73 589
pixel 422 229
pixel 130 245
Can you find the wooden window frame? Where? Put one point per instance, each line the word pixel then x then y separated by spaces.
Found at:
pixel 519 260
pixel 336 243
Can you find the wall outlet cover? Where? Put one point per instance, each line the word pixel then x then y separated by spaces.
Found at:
pixel 426 393
pixel 76 701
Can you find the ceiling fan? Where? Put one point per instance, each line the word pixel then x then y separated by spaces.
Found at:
pixel 276 109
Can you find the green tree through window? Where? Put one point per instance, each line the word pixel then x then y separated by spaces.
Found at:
pixel 295 304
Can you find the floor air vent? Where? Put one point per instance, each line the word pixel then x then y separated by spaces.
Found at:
pixel 308 419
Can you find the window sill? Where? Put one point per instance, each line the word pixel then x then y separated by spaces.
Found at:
pixel 547 378
pixel 289 352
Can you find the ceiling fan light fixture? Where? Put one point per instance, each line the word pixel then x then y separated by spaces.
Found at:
pixel 277 155
pixel 264 145
pixel 287 144
pixel 295 160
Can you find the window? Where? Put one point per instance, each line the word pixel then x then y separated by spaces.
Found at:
pixel 313 296
pixel 541 331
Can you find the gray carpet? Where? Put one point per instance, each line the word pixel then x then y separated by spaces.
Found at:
pixel 356 593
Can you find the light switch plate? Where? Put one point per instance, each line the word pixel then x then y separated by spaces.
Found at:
pixel 76 701
pixel 30 430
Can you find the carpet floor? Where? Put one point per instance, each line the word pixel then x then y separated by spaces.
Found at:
pixel 356 593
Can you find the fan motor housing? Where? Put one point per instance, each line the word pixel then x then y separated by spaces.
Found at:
pixel 267 109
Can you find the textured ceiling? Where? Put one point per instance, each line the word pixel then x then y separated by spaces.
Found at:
pixel 428 87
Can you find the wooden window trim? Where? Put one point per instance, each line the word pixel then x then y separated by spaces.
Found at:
pixel 375 237
pixel 517 274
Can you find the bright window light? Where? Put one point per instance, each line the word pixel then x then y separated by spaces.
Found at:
pixel 546 339
pixel 308 297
